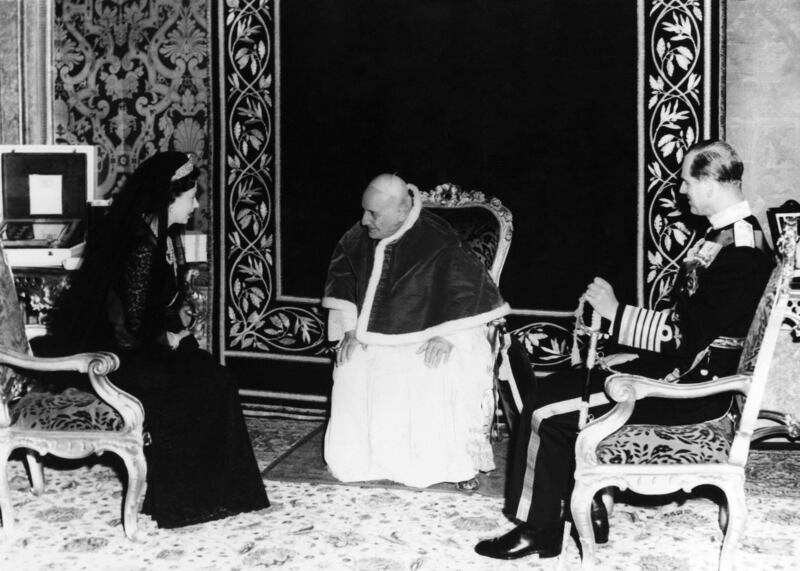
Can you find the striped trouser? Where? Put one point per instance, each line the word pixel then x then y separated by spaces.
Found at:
pixel 543 458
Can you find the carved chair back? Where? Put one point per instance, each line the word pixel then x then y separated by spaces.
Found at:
pixel 759 346
pixel 484 225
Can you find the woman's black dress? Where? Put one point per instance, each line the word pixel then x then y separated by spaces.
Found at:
pixel 200 463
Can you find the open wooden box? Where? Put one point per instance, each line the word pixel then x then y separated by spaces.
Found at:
pixel 45 190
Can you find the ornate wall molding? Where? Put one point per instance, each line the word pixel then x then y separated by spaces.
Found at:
pixel 132 78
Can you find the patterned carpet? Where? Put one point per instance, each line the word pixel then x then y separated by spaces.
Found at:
pixel 75 525
pixel 305 463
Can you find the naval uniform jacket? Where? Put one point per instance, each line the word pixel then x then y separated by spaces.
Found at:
pixel 699 338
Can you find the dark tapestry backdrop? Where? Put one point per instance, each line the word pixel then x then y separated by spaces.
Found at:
pixel 575 114
pixel 533 102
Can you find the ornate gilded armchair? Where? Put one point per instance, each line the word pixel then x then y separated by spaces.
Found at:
pixel 482 222
pixel 71 424
pixel 654 460
pixel 485 226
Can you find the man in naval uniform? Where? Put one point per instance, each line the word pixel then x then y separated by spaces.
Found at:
pixel 408 306
pixel 699 338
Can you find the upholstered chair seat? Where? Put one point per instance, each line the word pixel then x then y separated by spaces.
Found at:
pixel 70 410
pixel 655 444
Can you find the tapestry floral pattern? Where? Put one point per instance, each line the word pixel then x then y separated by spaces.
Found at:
pixel 133 79
pixel 673 122
pixel 256 322
pixel 547 343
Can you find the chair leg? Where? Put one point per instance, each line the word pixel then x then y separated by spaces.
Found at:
pixel 723 518
pixel 581 507
pixel 736 518
pixel 6 509
pixel 36 471
pixel 607 495
pixel 137 476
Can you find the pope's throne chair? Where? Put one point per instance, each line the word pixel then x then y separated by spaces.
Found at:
pixel 655 460
pixel 485 226
pixel 71 424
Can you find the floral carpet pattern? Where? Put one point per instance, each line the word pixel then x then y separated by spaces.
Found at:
pixel 75 524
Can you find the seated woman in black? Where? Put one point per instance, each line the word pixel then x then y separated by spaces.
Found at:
pixel 129 298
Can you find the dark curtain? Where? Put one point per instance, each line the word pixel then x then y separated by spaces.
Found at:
pixel 532 101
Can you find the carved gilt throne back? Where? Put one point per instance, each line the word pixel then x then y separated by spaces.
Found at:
pixel 484 225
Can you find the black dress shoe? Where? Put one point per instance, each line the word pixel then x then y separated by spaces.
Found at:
pixel 599 522
pixel 521 541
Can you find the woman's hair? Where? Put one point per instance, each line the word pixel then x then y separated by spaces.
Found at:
pixel 716 160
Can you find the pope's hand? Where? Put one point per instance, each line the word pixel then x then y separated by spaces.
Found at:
pixel 346 347
pixel 601 296
pixel 437 351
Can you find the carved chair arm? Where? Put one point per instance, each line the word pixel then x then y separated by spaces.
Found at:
pixel 97 365
pixel 621 387
pixel 495 329
pixel 196 301
pixel 79 362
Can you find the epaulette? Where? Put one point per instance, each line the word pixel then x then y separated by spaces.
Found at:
pixel 741 235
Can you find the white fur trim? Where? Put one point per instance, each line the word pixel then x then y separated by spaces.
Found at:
pixel 339 323
pixel 340 304
pixel 377 265
pixel 443 329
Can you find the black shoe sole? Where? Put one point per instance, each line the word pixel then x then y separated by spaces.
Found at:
pixel 512 556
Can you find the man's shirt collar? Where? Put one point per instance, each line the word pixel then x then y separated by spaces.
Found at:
pixel 730 215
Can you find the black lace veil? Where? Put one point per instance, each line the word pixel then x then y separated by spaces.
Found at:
pixel 79 320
